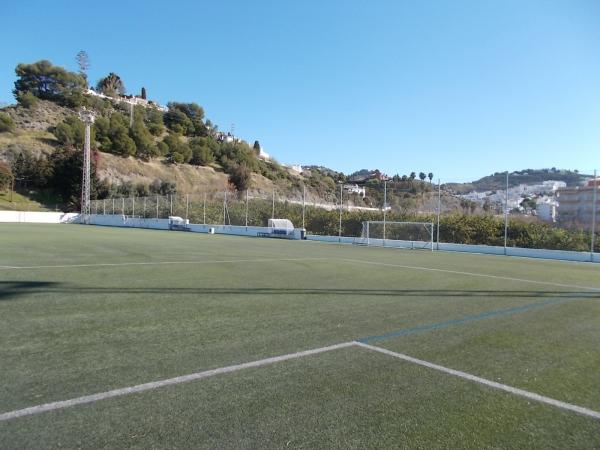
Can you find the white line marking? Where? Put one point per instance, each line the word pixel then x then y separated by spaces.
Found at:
pixel 472 274
pixel 161 383
pixel 492 384
pixel 157 263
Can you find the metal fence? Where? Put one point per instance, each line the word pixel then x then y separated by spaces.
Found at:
pixel 562 219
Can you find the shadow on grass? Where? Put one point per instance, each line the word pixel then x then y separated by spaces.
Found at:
pixel 11 289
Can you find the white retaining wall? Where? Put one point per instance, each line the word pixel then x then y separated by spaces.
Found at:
pixel 564 255
pixel 163 224
pixel 37 217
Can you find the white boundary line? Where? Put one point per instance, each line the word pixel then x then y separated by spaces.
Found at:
pixel 472 274
pixel 492 384
pixel 161 383
pixel 158 263
pixel 267 361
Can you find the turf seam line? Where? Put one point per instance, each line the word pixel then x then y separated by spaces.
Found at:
pixel 166 382
pixel 513 390
pixel 473 274
pixel 463 320
pixel 157 263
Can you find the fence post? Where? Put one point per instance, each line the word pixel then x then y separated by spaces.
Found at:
pixel 204 210
pixel 122 206
pixel 303 204
pixel 506 215
pixel 273 208
pixel 133 206
pixel 145 207
pixel 384 208
pixel 171 201
pixel 595 188
pixel 439 210
pixel 157 206
pixel 224 205
pixel 341 206
pixel 103 207
pixel 113 206
pixel 246 207
pixel 187 205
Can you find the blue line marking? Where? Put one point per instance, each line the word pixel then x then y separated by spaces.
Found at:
pixel 467 319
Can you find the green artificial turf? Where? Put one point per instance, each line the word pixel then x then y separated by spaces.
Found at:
pixel 73 331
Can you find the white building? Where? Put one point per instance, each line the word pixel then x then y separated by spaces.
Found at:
pixel 355 189
pixel 576 205
pixel 546 209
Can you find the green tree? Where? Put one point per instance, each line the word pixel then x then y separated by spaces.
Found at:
pixel 179 151
pixel 6 123
pixel 121 143
pixel 27 99
pixel 422 176
pixel 71 132
pixel 430 176
pixel 186 118
pixel 154 121
pixel 111 85
pixel 144 142
pixel 49 82
pixel 202 155
pixel 143 94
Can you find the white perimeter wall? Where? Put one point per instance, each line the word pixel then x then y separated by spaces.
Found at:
pixel 37 217
pixel 163 224
pixel 564 255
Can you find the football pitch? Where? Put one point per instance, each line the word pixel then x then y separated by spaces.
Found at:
pixel 131 338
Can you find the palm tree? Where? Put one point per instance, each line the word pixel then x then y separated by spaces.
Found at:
pixel 430 176
pixel 111 85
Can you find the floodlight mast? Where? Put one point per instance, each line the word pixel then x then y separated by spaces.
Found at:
pixel 88 118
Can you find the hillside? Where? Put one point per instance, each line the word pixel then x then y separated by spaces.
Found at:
pixel 497 181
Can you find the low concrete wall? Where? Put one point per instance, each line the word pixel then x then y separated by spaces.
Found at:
pixel 163 224
pixel 37 217
pixel 563 255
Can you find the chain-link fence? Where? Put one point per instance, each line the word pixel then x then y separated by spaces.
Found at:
pixel 544 215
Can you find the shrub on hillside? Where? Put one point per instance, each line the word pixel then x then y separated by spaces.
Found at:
pixel 6 176
pixel 240 176
pixel 6 123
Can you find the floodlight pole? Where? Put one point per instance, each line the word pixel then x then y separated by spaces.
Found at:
pixel 88 118
pixel 506 215
pixel 595 187
pixel 439 210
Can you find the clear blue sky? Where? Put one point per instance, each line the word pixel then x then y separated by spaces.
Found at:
pixel 459 88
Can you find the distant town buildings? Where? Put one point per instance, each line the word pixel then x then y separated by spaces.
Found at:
pixel 355 189
pixel 134 100
pixel 576 205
